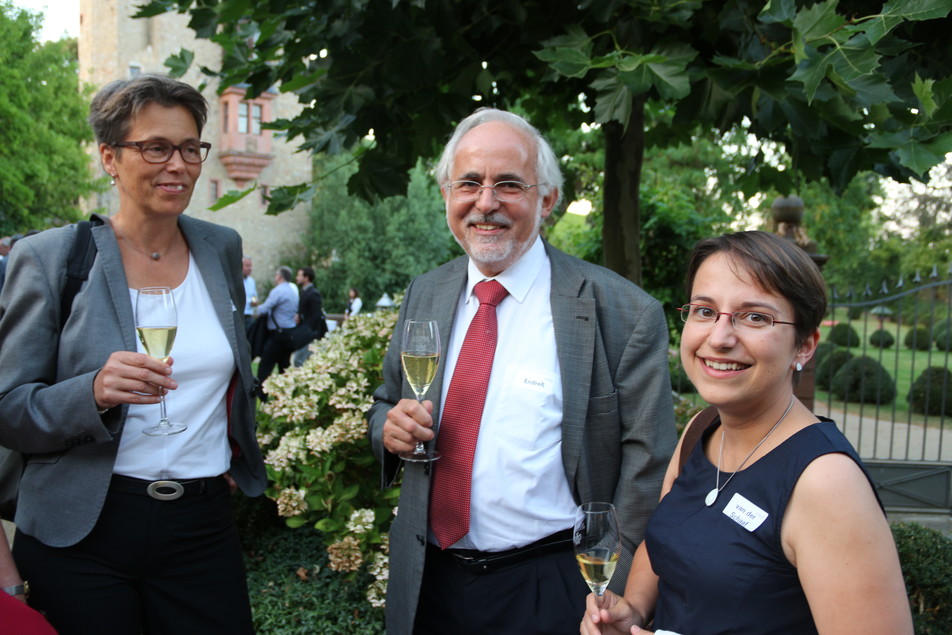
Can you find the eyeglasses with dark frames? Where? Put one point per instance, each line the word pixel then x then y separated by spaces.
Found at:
pixel 504 191
pixel 160 151
pixel 703 314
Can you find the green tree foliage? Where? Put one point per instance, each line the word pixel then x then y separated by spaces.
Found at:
pixel 377 247
pixel 43 168
pixel 842 85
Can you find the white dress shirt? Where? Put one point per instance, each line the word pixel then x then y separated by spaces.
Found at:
pixel 519 490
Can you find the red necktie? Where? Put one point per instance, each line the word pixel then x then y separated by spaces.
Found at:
pixel 459 423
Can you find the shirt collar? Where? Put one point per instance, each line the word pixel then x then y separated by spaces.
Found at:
pixel 517 278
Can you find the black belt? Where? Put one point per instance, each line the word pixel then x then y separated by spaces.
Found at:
pixel 474 561
pixel 161 490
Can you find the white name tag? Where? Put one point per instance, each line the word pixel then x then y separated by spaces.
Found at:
pixel 745 513
pixel 533 379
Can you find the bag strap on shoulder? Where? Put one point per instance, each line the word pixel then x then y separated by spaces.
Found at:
pixel 81 258
pixel 701 422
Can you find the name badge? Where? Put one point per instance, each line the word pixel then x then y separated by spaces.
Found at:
pixel 533 379
pixel 745 513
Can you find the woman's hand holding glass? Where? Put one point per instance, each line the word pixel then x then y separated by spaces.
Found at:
pixel 156 325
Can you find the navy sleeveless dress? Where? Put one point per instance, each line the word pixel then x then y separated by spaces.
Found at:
pixel 722 568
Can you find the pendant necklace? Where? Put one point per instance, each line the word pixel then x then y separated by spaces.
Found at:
pixel 154 255
pixel 712 495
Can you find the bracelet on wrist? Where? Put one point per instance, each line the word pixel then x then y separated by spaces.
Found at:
pixel 18 589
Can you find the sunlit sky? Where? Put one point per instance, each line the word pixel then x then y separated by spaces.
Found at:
pixel 61 17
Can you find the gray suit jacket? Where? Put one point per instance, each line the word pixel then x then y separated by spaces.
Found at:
pixel 47 408
pixel 618 428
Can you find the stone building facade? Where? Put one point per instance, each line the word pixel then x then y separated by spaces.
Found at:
pixel 113 45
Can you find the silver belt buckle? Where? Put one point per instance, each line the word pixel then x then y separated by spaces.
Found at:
pixel 155 487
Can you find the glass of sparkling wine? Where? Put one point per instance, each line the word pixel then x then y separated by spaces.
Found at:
pixel 156 323
pixel 597 544
pixel 420 355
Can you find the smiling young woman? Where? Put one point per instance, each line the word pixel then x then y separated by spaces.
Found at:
pixel 772 525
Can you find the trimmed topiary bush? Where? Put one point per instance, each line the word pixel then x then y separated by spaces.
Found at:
pixel 864 380
pixel 925 556
pixel 855 312
pixel 881 338
pixel 822 350
pixel 827 367
pixel 918 339
pixel 931 392
pixel 943 341
pixel 844 334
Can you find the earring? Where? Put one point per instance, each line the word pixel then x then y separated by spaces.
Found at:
pixel 799 367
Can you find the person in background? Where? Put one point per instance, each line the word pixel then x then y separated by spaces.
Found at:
pixel 772 525
pixel 354 303
pixel 251 291
pixel 310 312
pixel 574 405
pixel 280 312
pixel 119 532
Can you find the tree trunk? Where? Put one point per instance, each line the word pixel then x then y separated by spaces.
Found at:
pixel 621 230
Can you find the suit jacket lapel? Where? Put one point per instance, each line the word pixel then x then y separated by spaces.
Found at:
pixel 444 304
pixel 109 266
pixel 575 323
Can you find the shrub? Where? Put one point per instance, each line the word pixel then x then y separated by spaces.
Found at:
pixel 931 392
pixel 943 341
pixel 881 338
pixel 864 380
pixel 321 468
pixel 844 334
pixel 918 339
pixel 822 350
pixel 926 559
pixel 827 368
pixel 294 592
pixel 855 312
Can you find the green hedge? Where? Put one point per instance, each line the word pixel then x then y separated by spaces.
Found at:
pixel 926 559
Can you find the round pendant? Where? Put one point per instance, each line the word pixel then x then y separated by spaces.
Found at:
pixel 156 255
pixel 711 497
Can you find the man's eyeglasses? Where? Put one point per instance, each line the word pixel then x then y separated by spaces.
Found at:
pixel 504 191
pixel 161 151
pixel 703 314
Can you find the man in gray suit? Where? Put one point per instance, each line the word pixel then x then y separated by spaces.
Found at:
pixel 577 408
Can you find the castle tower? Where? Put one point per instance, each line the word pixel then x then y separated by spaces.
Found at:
pixel 113 45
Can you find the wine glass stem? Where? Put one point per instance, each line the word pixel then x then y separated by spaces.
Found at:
pixel 164 419
pixel 420 449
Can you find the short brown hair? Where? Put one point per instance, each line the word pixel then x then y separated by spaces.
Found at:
pixel 117 103
pixel 778 266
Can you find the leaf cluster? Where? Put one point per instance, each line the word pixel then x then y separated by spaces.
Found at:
pixel 843 86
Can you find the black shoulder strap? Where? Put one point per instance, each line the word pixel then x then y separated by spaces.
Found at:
pixel 81 258
pixel 701 422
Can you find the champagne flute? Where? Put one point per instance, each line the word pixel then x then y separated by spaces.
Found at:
pixel 597 544
pixel 156 324
pixel 420 355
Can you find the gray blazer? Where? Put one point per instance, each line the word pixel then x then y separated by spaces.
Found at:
pixel 618 428
pixel 47 409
